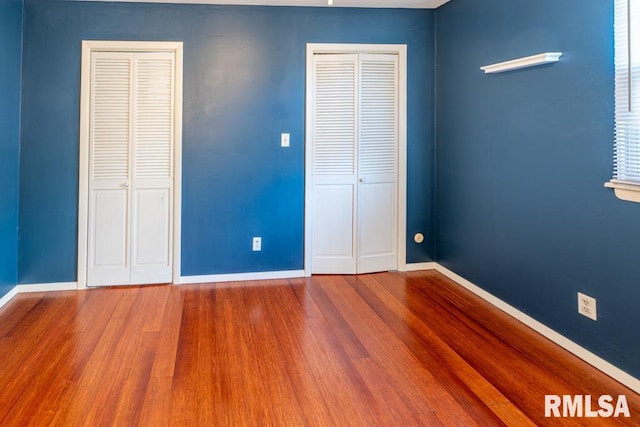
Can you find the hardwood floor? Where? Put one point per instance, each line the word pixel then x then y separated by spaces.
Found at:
pixel 389 349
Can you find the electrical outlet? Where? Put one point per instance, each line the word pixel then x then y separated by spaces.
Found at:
pixel 257 244
pixel 587 306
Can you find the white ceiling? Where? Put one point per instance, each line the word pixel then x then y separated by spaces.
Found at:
pixel 404 4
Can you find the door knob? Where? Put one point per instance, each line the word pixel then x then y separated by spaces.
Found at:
pixel 361 180
pixel 125 185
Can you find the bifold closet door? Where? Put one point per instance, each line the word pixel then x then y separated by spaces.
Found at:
pixel 131 168
pixel 354 163
pixel 377 218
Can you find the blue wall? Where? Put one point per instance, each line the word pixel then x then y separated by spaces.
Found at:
pixel 10 65
pixel 521 161
pixel 521 157
pixel 244 79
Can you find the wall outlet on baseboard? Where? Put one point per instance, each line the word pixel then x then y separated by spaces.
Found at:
pixel 257 244
pixel 587 306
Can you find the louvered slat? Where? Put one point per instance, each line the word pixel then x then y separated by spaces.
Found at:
pixel 334 137
pixel 154 121
pixel 110 125
pixel 378 116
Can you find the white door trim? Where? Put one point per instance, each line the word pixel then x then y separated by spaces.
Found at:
pixel 326 48
pixel 89 46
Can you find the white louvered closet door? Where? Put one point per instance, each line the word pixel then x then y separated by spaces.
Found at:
pixel 378 166
pixel 354 163
pixel 131 168
pixel 334 163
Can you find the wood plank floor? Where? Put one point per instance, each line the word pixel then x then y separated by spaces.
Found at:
pixel 388 349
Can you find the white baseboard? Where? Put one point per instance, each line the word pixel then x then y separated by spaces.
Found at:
pixel 240 277
pixel 8 296
pixel 47 287
pixel 596 361
pixel 416 266
pixel 38 287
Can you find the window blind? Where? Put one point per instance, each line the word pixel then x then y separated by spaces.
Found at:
pixel 627 92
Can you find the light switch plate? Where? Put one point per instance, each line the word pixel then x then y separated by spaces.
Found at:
pixel 284 140
pixel 257 244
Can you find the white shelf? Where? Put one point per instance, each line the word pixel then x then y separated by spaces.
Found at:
pixel 528 61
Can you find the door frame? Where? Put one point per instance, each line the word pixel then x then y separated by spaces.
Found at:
pixel 89 46
pixel 309 213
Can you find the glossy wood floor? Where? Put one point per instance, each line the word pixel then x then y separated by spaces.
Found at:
pixel 390 349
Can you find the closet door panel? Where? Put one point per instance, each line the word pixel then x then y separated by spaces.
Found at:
pixel 110 168
pixel 152 219
pixel 377 221
pixel 334 163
